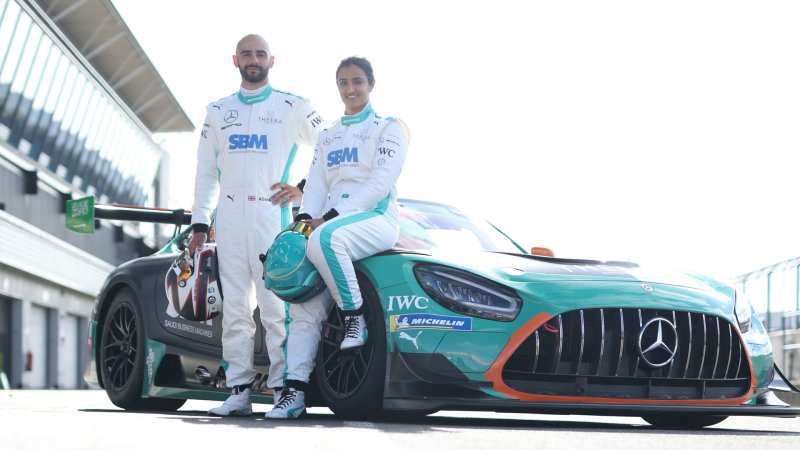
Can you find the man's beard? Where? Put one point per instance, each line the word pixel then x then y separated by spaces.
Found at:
pixel 254 77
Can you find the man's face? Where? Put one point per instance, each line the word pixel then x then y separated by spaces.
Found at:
pixel 253 60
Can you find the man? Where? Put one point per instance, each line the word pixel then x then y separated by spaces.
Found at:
pixel 246 149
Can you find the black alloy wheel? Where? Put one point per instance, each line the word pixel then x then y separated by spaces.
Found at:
pixel 351 381
pixel 120 347
pixel 121 357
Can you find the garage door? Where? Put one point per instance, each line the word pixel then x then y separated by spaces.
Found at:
pixel 5 335
pixel 35 342
pixel 68 352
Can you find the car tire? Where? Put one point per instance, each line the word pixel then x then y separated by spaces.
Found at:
pixel 682 422
pixel 121 357
pixel 351 381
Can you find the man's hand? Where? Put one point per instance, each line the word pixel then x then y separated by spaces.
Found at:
pixel 198 239
pixel 286 193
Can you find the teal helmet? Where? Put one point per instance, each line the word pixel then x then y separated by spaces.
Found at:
pixel 287 271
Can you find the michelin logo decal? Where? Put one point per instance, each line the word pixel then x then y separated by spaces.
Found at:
pixel 405 321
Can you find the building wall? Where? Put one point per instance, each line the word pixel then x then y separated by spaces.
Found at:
pixel 64 133
pixel 55 110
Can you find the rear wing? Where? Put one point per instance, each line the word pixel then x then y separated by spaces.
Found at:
pixel 82 214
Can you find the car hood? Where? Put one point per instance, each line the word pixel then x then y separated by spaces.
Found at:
pixel 528 268
pixel 556 284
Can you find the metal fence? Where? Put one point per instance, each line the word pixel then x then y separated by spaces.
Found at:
pixel 774 291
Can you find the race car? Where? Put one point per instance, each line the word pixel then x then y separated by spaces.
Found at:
pixel 460 317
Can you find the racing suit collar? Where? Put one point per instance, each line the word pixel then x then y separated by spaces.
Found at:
pixel 360 117
pixel 251 99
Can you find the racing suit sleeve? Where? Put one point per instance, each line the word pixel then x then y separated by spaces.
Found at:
pixel 386 169
pixel 307 124
pixel 315 191
pixel 206 181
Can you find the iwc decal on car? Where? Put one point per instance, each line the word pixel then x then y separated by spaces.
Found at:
pixel 407 302
pixel 406 321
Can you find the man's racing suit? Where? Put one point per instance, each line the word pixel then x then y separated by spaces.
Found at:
pixel 352 185
pixel 247 144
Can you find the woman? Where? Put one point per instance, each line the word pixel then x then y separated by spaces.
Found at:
pixel 350 201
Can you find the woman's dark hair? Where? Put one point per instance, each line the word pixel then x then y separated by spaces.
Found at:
pixel 362 63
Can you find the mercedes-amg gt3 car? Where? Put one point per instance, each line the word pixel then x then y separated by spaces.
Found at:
pixel 460 317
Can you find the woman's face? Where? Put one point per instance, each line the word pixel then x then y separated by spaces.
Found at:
pixel 354 88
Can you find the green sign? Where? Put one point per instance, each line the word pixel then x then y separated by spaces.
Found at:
pixel 80 215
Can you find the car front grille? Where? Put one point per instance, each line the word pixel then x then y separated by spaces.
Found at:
pixel 597 353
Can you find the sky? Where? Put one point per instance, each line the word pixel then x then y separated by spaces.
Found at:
pixel 663 133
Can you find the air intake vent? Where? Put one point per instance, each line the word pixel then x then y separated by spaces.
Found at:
pixel 631 353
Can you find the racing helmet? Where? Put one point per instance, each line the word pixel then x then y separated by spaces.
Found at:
pixel 193 286
pixel 287 271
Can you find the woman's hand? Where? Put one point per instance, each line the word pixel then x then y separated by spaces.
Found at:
pixel 286 193
pixel 314 223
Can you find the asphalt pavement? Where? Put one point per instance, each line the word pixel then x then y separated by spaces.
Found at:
pixel 86 419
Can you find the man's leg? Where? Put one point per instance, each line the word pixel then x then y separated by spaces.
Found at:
pixel 238 331
pixel 273 318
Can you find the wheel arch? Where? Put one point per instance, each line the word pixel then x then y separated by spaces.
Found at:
pixel 106 297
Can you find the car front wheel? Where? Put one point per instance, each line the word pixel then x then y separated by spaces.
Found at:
pixel 351 381
pixel 121 357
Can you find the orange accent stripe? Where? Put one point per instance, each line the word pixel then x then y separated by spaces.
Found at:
pixel 495 375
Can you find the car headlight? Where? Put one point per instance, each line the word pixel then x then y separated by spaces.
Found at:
pixel 742 310
pixel 467 293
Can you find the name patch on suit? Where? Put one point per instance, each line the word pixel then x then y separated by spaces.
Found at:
pixel 346 154
pixel 247 142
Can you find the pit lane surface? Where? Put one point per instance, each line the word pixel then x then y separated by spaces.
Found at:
pixel 63 419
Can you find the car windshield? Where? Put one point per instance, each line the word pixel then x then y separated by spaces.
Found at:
pixel 432 226
pixel 428 226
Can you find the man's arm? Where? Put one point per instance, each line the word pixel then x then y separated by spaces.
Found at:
pixel 307 124
pixel 315 191
pixel 206 184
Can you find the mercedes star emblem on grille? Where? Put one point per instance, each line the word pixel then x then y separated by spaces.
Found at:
pixel 658 342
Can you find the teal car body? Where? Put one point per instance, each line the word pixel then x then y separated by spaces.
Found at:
pixel 461 317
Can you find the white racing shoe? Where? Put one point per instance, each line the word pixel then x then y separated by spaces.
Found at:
pixel 276 396
pixel 238 404
pixel 291 405
pixel 355 332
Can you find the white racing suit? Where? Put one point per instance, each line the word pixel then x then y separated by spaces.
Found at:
pixel 247 144
pixel 356 164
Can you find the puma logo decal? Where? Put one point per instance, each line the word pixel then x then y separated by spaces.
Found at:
pixel 230 197
pixel 406 336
